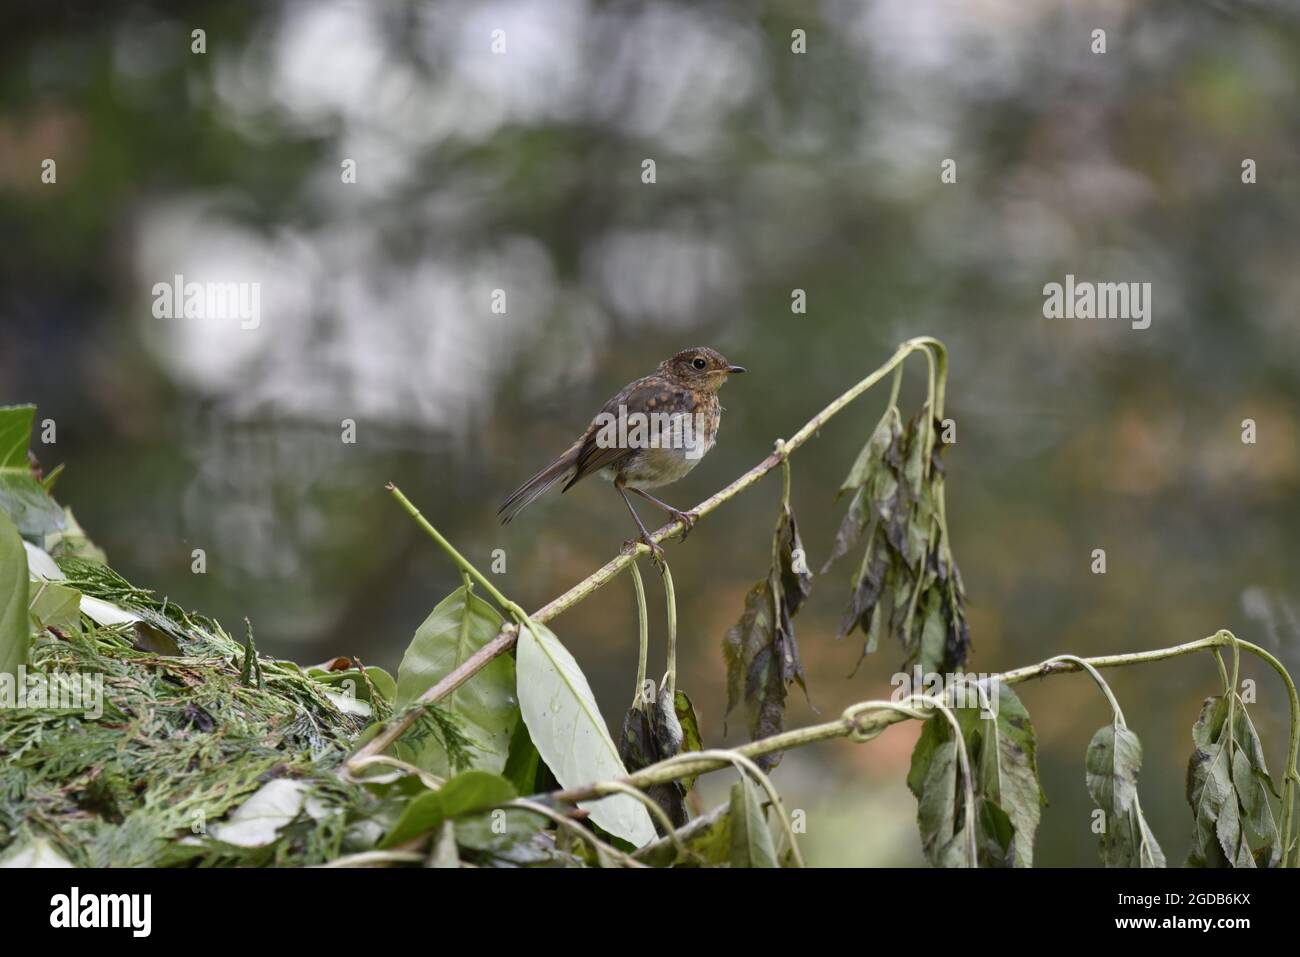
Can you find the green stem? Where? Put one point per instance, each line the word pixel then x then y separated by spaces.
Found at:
pixel 643 636
pixel 670 595
pixel 1101 683
pixel 880 716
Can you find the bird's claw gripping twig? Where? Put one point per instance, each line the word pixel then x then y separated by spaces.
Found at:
pixel 688 520
pixel 656 550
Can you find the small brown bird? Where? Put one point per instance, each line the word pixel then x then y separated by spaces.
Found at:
pixel 652 433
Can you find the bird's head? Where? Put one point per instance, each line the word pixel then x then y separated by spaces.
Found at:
pixel 700 368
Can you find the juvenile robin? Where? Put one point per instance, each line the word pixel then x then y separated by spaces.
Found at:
pixel 652 433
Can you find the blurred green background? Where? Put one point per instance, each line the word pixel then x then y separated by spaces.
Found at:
pixel 775 171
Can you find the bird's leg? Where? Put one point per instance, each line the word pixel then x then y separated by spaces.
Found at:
pixel 688 519
pixel 656 550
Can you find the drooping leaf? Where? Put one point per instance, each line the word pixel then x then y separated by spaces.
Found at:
pixel 751 838
pixel 15 626
pixel 690 724
pixel 22 497
pixel 1003 756
pixel 906 583
pixel 1008 767
pixel 1113 761
pixel 569 732
pixel 760 651
pixel 486 707
pixel 1227 787
pixel 653 733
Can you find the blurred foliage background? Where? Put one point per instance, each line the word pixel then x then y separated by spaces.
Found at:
pixel 775 171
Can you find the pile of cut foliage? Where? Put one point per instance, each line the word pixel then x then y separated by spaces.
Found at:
pixel 133 732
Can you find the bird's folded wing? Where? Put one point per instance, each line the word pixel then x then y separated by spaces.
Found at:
pixel 646 396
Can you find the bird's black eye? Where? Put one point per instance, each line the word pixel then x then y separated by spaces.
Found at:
pixel 699 363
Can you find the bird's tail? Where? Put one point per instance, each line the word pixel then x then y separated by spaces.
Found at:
pixel 536 486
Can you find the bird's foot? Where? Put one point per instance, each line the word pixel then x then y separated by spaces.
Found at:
pixel 656 550
pixel 688 520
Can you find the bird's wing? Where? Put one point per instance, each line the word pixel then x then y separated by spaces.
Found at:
pixel 648 395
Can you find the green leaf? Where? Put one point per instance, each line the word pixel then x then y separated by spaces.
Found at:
pixel 569 732
pixel 690 724
pixel 1008 768
pixel 707 839
pixel 56 606
pixel 885 434
pixel 523 761
pixel 1113 761
pixel 751 839
pixel 468 793
pixel 22 496
pixel 1114 757
pixel 486 707
pixel 72 541
pixel 940 799
pixel 15 626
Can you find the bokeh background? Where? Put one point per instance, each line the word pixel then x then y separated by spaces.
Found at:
pixel 820 171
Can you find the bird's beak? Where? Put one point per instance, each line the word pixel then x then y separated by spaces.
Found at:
pixel 734 369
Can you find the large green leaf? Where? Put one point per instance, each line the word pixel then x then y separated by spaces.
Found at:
pixel 22 496
pixel 460 625
pixel 565 724
pixel 1114 758
pixel 15 627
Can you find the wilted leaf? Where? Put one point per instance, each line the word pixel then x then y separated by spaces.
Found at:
pixel 1226 787
pixel 1003 756
pixel 1113 761
pixel 907 582
pixel 486 707
pixel 760 651
pixel 566 726
pixel 652 734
